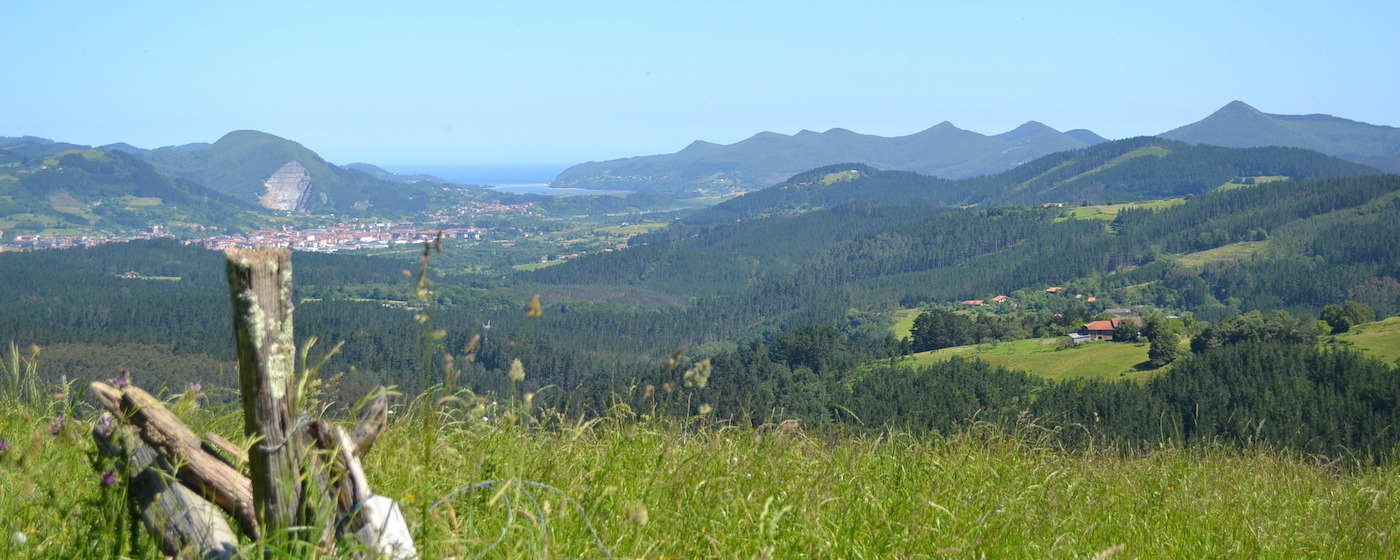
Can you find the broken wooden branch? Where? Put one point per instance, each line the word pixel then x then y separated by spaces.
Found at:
pixel 160 429
pixel 183 524
pixel 373 417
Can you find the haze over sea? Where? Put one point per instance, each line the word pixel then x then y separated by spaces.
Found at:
pixel 518 178
pixel 489 173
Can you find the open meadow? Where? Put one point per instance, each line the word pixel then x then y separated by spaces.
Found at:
pixel 1049 358
pixel 483 480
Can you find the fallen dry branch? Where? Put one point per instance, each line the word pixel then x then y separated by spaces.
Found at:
pixel 176 468
pixel 163 432
pixel 182 523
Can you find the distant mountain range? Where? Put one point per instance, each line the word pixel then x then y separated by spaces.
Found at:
pixel 949 152
pixel 237 165
pixel 768 158
pixel 1128 170
pixel 1238 125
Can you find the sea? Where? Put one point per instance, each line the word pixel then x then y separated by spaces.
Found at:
pixel 518 178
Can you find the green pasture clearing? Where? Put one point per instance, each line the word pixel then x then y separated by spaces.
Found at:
pixel 1048 358
pixel 395 302
pixel 1108 212
pixel 130 201
pixel 33 219
pixel 1233 251
pixel 536 265
pixel 1157 151
pixel 904 323
pixel 65 202
pixel 1258 180
pixel 839 176
pixel 1380 339
pixel 633 229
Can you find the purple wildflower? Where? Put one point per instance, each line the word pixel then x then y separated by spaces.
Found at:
pixel 110 477
pixel 56 427
pixel 105 425
pixel 124 380
pixel 4 445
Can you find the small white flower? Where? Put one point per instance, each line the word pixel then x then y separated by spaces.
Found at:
pixel 20 538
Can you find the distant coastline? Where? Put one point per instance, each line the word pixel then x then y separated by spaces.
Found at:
pixel 498 174
pixel 545 189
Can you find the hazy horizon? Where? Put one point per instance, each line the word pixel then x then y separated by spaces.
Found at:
pixel 497 174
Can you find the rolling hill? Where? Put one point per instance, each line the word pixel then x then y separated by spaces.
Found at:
pixel 111 191
pixel 1124 170
pixel 1328 240
pixel 1238 125
pixel 238 163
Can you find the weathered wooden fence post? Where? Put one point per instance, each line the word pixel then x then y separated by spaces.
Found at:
pixel 260 291
pixel 305 492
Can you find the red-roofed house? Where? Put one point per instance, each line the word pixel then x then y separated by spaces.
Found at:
pixel 973 302
pixel 1103 330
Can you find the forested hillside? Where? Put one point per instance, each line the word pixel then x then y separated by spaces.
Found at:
pixel 1122 171
pixel 107 190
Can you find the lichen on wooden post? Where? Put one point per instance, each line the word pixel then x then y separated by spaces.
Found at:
pixel 260 292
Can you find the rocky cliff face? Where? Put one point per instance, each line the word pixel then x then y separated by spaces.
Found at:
pixel 288 189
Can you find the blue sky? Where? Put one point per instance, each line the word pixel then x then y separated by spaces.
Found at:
pixel 468 82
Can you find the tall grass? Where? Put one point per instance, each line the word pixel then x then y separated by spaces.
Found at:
pixel 19 378
pixel 523 483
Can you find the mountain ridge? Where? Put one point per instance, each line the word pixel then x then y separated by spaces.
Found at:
pixel 1240 125
pixel 703 168
pixel 1146 167
pixel 766 158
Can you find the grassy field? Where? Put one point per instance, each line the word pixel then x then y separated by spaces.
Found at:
pixel 1380 339
pixel 904 323
pixel 1108 212
pixel 537 265
pixel 633 229
pixel 665 489
pixel 833 178
pixel 1259 180
pixel 1049 359
pixel 130 201
pixel 1233 251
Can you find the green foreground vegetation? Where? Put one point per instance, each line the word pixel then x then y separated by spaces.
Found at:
pixel 658 487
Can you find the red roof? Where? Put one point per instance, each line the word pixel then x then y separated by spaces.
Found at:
pixel 1099 326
